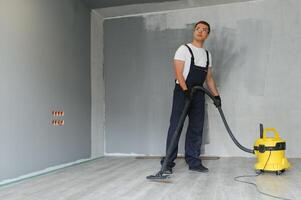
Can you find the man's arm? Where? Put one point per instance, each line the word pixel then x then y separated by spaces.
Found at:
pixel 211 83
pixel 179 67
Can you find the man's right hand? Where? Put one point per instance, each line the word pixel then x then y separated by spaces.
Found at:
pixel 217 101
pixel 187 94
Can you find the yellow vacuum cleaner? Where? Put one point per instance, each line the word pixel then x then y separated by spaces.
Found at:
pixel 270 152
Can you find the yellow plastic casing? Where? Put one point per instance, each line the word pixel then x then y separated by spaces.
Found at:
pixel 270 159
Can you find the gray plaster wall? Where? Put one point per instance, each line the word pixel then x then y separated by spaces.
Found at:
pixel 44 66
pixel 97 87
pixel 255 47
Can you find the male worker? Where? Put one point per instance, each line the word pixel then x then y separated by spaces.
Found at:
pixel 192 66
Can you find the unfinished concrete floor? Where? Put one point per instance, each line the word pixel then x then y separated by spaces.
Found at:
pixel 123 178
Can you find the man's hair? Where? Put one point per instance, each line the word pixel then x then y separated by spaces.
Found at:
pixel 203 22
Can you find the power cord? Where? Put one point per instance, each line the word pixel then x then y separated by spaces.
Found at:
pixel 246 150
pixel 255 185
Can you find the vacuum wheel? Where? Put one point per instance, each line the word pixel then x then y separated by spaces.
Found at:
pixel 280 172
pixel 260 171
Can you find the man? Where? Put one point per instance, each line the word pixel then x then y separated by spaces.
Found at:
pixel 192 66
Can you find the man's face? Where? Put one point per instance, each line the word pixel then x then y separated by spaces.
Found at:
pixel 201 32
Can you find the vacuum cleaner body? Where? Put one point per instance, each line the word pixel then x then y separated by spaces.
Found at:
pixel 270 152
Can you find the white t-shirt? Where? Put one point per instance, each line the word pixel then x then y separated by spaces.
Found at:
pixel 200 57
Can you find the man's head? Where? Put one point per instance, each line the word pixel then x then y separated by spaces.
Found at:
pixel 201 31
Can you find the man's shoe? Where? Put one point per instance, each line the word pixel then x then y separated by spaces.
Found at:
pixel 200 168
pixel 168 170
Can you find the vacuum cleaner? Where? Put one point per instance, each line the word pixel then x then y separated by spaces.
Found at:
pixel 270 151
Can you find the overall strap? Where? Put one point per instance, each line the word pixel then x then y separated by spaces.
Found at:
pixel 207 53
pixel 192 57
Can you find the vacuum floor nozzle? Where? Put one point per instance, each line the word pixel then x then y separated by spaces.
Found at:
pixel 158 177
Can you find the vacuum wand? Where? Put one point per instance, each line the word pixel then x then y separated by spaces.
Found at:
pixel 160 175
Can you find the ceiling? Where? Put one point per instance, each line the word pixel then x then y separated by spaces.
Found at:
pixel 108 9
pixel 93 4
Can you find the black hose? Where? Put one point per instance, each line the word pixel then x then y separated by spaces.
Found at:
pixel 194 89
pixel 231 134
pixel 160 175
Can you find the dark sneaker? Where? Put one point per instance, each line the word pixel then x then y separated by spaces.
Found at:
pixel 200 168
pixel 168 170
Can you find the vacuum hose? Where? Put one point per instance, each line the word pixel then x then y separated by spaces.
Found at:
pixel 194 89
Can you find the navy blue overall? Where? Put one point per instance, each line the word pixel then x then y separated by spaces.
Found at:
pixel 193 141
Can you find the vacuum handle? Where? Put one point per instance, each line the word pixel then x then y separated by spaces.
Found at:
pixel 276 134
pixel 261 130
pixel 195 88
